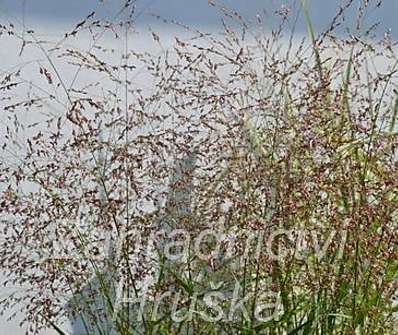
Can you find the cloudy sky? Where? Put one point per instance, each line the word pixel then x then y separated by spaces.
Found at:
pixel 196 12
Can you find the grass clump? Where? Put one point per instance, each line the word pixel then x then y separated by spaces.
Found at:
pixel 252 189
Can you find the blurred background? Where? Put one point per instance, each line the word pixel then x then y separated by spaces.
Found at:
pixel 195 12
